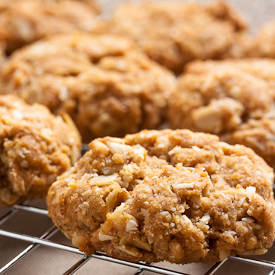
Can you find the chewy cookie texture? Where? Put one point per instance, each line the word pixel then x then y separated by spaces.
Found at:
pixel 167 195
pixel 231 98
pixel 102 81
pixel 25 21
pixel 35 147
pixel 174 33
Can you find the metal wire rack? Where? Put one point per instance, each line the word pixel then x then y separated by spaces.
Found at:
pixel 139 268
pixel 268 266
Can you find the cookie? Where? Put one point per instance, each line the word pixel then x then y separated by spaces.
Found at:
pixel 102 81
pixel 226 97
pixel 35 147
pixel 174 34
pixel 174 196
pixel 263 44
pixel 25 21
pixel 258 135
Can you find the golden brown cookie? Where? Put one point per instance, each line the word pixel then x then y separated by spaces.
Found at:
pixel 25 21
pixel 258 135
pixel 174 33
pixel 166 195
pixel 106 85
pixel 227 97
pixel 35 147
pixel 263 44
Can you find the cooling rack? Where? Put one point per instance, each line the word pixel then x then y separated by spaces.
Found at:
pixel 260 266
pixel 264 266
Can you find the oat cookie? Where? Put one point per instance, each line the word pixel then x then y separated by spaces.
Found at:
pixel 227 98
pixel 106 85
pixel 167 195
pixel 35 147
pixel 24 21
pixel 174 33
pixel 263 44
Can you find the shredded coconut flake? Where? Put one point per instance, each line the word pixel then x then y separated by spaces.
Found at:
pixel 16 114
pixel 88 175
pixel 71 140
pixel 196 148
pixel 205 218
pixel 230 232
pixel 103 180
pixel 183 185
pixel 241 201
pixel 140 152
pixel 103 237
pixel 117 148
pixel 46 133
pixel 256 226
pixel 131 225
pixel 251 190
pixel 249 212
pixel 186 219
pixel 174 150
pixel 63 93
pixel 248 220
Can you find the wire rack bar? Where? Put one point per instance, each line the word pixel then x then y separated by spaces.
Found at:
pixel 30 248
pixel 77 265
pixel 11 212
pixel 139 271
pixel 8 215
pixel 32 239
pixel 254 261
pixel 32 209
pixel 98 255
pixel 140 266
pixel 214 267
pixel 145 267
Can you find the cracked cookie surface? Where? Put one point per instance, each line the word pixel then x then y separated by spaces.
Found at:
pixel 103 82
pixel 182 32
pixel 35 148
pixel 231 98
pixel 167 195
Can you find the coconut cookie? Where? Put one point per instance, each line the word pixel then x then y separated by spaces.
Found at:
pixel 174 34
pixel 103 82
pixel 227 98
pixel 174 196
pixel 25 21
pixel 263 44
pixel 35 147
